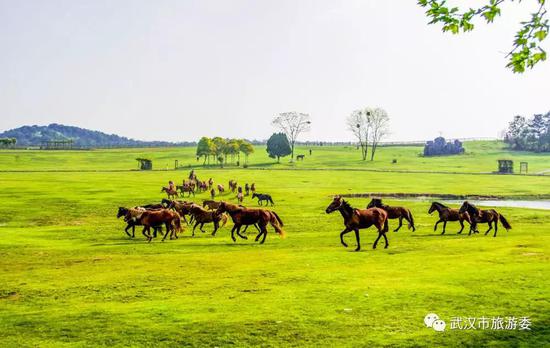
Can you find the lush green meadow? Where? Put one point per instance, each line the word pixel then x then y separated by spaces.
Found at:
pixel 71 277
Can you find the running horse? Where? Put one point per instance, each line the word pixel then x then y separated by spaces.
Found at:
pixel 250 216
pixel 394 213
pixel 449 214
pixel 171 193
pixel 490 216
pixel 356 219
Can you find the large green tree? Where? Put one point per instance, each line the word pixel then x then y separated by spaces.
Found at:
pixel 526 50
pixel 278 146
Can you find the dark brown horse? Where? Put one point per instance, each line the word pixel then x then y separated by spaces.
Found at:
pixel 203 216
pixel 181 207
pixel 489 216
pixel 242 216
pixel 394 213
pixel 213 205
pixel 356 219
pixel 449 214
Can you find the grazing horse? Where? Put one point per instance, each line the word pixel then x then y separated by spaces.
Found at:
pixel 247 189
pixel 246 216
pixel 171 193
pixel 240 194
pixel 253 187
pixel 263 197
pixel 394 213
pixel 203 216
pixel 490 216
pixel 210 183
pixel 356 219
pixel 212 193
pixel 170 218
pixel 190 189
pixel 300 157
pixel 220 188
pixel 449 214
pixel 131 217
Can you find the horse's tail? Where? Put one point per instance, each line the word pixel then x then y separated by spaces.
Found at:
pixel 277 223
pixel 411 219
pixel 176 223
pixel 271 200
pixel 505 222
pixel 224 219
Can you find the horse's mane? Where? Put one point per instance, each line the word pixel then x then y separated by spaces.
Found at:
pixel 347 206
pixel 439 204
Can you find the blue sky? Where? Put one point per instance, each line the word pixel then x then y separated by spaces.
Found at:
pixel 178 70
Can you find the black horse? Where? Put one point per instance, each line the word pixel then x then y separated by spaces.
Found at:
pixel 263 197
pixel 489 216
pixel 133 223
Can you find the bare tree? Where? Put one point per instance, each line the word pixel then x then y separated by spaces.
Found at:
pixel 359 124
pixel 379 121
pixel 292 124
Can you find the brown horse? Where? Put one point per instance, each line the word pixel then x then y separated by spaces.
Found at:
pixel 172 194
pixel 190 189
pixel 181 207
pixel 356 219
pixel 490 216
pixel 213 205
pixel 394 213
pixel 242 216
pixel 203 216
pixel 152 218
pixel 132 218
pixel 220 188
pixel 449 214
pixel 210 183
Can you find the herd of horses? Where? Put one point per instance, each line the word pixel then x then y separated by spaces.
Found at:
pixel 170 211
pixel 377 214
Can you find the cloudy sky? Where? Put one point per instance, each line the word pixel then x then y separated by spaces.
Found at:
pixel 177 70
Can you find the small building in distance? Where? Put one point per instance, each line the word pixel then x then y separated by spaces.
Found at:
pixel 145 164
pixel 505 166
pixel 440 147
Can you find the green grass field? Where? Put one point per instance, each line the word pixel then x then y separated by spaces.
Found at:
pixel 71 277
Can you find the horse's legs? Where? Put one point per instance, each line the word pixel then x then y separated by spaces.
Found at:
pixel 346 230
pixel 444 226
pixel 386 239
pixel 147 235
pixel 496 227
pixel 376 241
pixel 126 230
pixel 239 233
pixel 461 226
pixel 264 228
pixel 490 223
pixel 400 224
pixel 233 233
pixel 169 231
pixel 435 226
pixel 357 239
pixel 200 228
pixel 196 224
pixel 216 225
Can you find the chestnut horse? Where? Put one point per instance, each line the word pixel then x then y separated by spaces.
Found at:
pixel 132 219
pixel 356 219
pixel 203 216
pixel 247 216
pixel 169 192
pixel 449 214
pixel 489 216
pixel 152 218
pixel 394 213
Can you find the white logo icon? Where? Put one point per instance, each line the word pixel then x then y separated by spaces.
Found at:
pixel 432 320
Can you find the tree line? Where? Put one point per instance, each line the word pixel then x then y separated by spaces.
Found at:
pixel 8 142
pixel 219 150
pixel 529 134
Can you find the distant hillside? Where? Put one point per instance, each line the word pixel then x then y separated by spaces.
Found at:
pixel 36 135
